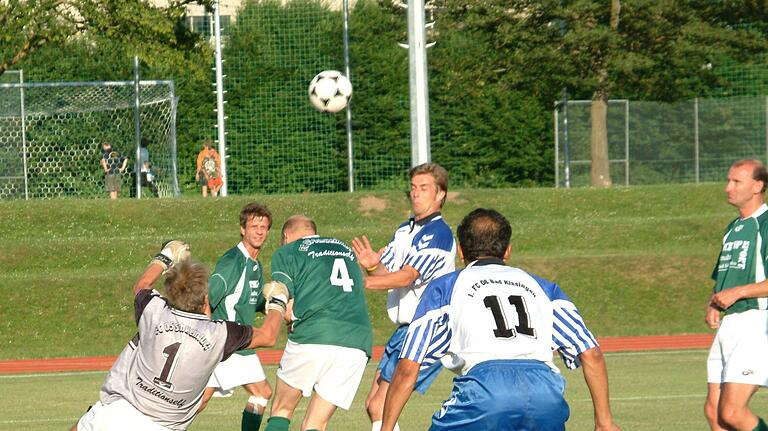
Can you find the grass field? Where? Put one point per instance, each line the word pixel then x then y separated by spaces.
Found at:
pixel 635 260
pixel 650 391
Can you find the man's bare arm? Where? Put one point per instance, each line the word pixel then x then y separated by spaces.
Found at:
pixel 266 335
pixel 726 298
pixel 392 280
pixel 147 279
pixel 596 377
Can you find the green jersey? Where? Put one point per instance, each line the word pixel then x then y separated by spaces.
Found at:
pixel 742 259
pixel 234 289
pixel 326 284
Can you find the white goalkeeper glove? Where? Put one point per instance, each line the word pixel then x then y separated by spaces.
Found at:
pixel 276 294
pixel 173 252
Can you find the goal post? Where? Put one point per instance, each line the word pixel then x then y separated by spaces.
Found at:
pixel 51 135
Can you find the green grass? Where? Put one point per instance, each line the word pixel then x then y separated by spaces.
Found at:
pixel 649 391
pixel 635 260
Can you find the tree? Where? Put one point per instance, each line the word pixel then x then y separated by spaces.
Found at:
pixel 650 49
pixel 639 49
pixel 28 25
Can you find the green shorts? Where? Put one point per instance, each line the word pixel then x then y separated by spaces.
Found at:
pixel 112 182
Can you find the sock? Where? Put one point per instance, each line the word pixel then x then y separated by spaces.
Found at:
pixel 251 421
pixel 376 426
pixel 761 425
pixel 277 423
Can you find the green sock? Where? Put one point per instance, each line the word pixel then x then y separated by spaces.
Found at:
pixel 251 421
pixel 277 423
pixel 761 425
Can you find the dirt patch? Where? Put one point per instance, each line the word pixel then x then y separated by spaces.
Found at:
pixel 372 204
pixel 455 197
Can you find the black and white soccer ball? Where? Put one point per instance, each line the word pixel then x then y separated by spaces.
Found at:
pixel 330 91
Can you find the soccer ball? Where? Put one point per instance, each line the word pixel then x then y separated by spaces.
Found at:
pixel 330 91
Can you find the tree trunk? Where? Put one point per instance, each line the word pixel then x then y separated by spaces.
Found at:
pixel 600 173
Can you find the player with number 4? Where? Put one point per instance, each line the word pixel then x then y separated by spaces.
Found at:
pixel 421 250
pixel 329 343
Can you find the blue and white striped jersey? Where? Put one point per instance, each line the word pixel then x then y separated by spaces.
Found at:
pixel 492 311
pixel 428 247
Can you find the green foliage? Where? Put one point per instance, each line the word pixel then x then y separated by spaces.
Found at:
pixel 380 105
pixel 278 143
pixel 494 73
pixel 106 55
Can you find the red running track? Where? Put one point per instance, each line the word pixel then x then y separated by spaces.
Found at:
pixel 104 363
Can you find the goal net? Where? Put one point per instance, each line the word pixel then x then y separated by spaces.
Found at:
pixel 51 135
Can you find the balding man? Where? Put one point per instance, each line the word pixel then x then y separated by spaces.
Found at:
pixel 329 343
pixel 737 364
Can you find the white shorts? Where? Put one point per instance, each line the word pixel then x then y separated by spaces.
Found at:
pixel 119 415
pixel 236 371
pixel 334 372
pixel 740 349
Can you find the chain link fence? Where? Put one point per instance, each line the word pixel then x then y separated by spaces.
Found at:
pixel 657 143
pixel 50 136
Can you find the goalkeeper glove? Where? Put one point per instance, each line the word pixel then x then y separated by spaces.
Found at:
pixel 276 294
pixel 172 252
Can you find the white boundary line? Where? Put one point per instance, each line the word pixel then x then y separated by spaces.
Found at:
pixel 49 374
pixel 84 373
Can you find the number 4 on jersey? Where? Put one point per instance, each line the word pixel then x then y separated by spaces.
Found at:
pixel 340 275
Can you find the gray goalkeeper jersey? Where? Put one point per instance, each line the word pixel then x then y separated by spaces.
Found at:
pixel 164 369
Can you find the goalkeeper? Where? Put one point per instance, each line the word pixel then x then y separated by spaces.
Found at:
pixel 330 339
pixel 158 380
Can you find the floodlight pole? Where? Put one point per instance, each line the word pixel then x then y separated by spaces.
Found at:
pixel 350 159
pixel 417 76
pixel 220 97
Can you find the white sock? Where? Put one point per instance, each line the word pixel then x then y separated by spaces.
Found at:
pixel 258 403
pixel 376 426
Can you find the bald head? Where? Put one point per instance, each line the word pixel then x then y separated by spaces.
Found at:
pixel 298 226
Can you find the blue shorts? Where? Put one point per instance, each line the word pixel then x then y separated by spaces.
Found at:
pixel 392 355
pixel 520 395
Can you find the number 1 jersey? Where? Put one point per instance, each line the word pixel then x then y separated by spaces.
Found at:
pixel 326 283
pixel 163 371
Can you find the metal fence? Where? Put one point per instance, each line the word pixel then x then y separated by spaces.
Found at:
pixel 50 135
pixel 656 143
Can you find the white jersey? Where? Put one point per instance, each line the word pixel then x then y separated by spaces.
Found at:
pixel 491 311
pixel 164 370
pixel 428 247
